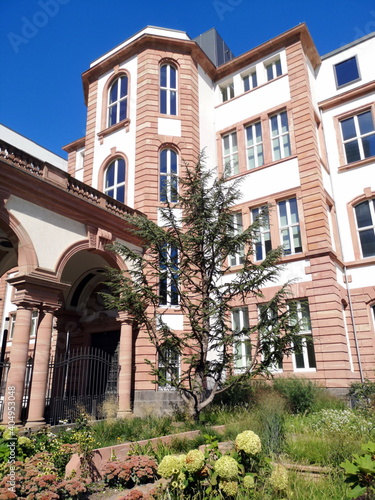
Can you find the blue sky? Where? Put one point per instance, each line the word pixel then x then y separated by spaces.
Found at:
pixel 45 46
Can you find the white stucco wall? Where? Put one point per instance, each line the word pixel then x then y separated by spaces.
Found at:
pixel 326 83
pixel 50 233
pixel 270 180
pixel 123 141
pixel 253 103
pixel 207 118
pixel 350 183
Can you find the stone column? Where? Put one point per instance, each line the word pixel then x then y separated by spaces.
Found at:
pixel 18 361
pixel 125 364
pixel 41 369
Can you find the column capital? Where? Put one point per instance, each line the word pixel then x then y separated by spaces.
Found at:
pixel 42 292
pixel 126 317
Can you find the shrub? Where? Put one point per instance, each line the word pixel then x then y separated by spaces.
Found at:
pixel 300 394
pixel 37 478
pixel 133 470
pixel 362 394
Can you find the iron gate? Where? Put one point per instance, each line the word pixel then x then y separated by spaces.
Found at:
pixel 80 379
pixel 4 368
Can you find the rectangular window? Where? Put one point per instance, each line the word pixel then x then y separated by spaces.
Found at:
pixel 34 324
pixel 304 358
pixel 237 228
pixel 169 368
pixel 12 324
pixel 254 146
pixel 267 317
pixel 346 72
pixel 289 226
pixel 358 135
pixel 168 283
pixel 230 154
pixel 280 136
pixel 365 217
pixel 241 344
pixel 250 81
pixel 262 244
pixel 227 91
pixel 273 69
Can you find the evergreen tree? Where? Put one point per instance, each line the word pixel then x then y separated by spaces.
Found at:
pixel 185 262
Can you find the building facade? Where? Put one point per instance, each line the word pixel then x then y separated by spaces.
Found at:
pixel 298 129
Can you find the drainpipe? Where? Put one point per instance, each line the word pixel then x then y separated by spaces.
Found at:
pixel 353 322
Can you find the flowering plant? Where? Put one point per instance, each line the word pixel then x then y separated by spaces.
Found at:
pixel 133 470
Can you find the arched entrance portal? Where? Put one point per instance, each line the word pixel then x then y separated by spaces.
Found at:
pixel 84 372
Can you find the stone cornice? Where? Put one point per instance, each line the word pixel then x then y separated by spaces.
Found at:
pixel 48 186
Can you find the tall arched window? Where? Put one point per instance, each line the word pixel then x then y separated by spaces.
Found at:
pixel 114 180
pixel 365 217
pixel 168 175
pixel 118 100
pixel 168 90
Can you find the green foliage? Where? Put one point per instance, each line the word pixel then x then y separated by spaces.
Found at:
pixel 133 429
pixel 270 411
pixel 360 472
pixel 202 233
pixel 362 395
pixel 327 437
pixel 301 394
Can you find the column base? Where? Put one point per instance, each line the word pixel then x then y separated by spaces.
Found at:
pixel 32 424
pixel 124 413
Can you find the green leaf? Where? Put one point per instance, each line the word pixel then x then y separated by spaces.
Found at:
pixel 356 492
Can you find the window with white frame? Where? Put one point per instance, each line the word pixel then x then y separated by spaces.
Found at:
pixel 304 354
pixel 118 100
pixel 168 175
pixel 230 154
pixel 358 136
pixel 262 243
pixel 236 229
pixel 227 91
pixel 12 324
pixel 280 136
pixel 267 316
pixel 168 89
pixel 114 180
pixel 241 343
pixel 365 218
pixel 34 324
pixel 273 69
pixel 346 72
pixel 254 145
pixel 290 233
pixel 168 281
pixel 169 368
pixel 250 81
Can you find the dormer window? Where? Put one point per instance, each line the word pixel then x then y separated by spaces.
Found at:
pixel 346 72
pixel 273 69
pixel 227 91
pixel 118 100
pixel 250 81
